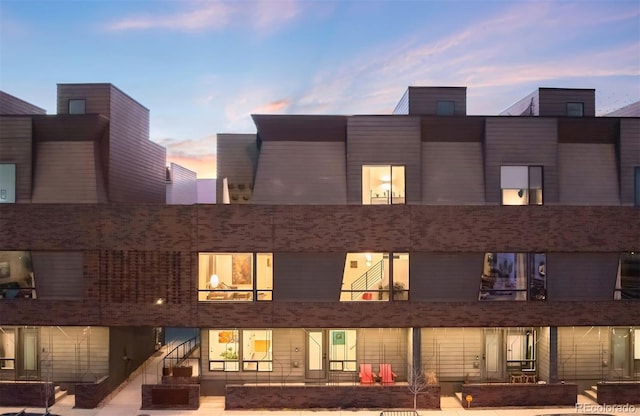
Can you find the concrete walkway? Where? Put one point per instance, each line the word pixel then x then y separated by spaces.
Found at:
pixel 126 402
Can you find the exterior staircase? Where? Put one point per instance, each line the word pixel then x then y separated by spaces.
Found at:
pixel 592 393
pixel 59 393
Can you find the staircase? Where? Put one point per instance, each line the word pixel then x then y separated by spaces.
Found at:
pixel 59 393
pixel 181 353
pixel 592 393
pixel 368 280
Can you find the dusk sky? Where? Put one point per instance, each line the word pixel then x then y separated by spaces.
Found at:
pixel 203 67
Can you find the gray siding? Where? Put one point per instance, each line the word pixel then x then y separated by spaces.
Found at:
pixel 65 172
pixel 10 105
pixel 445 277
pixel 424 100
pixel 553 101
pixel 521 141
pixel 58 275
pixel 237 158
pixel 391 140
pixel 291 172
pixel 72 353
pixel 588 174
pixel 183 186
pixel 308 277
pixel 384 346
pixel 16 147
pixel 402 107
pixel 629 158
pixel 581 276
pixel 581 351
pixel 451 352
pixel 452 173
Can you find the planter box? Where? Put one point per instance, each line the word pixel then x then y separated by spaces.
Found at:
pixel 516 394
pixel 186 371
pixel 619 393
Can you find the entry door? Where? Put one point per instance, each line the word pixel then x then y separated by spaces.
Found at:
pixel 316 357
pixel 621 352
pixel 27 355
pixel 493 354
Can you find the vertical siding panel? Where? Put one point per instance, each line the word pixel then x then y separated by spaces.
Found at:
pixel 452 173
pixel 301 172
pixel 629 158
pixel 391 140
pixel 521 141
pixel 308 276
pixel 237 157
pixel 588 174
pixel 16 147
pixel 581 276
pixel 424 100
pixel 384 346
pixel 451 352
pixel 183 187
pixel 553 101
pixel 445 277
pixel 10 105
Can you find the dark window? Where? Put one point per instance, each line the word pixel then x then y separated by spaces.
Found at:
pixel 445 108
pixel 77 106
pixel 628 281
pixel 575 109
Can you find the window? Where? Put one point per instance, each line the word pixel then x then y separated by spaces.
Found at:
pixel 370 276
pixel 76 106
pixel 575 109
pixel 521 185
pixel 637 185
pixel 383 185
pixel 7 183
pixel 342 350
pixel 513 276
pixel 16 275
pixel 231 350
pixel 521 349
pixel 7 348
pixel 235 276
pixel 628 279
pixel 445 108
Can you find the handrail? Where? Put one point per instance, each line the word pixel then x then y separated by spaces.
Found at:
pixel 181 352
pixel 372 276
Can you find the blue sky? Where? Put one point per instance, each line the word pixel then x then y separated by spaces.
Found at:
pixel 203 67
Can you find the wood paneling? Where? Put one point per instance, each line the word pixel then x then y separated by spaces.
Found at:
pixel 521 141
pixel 311 276
pixel 16 147
pixel 444 277
pixel 182 189
pixel 301 173
pixel 581 276
pixel 383 140
pixel 588 174
pixel 10 105
pixel 97 97
pixel 424 100
pixel 553 101
pixel 629 158
pixel 58 275
pixel 452 173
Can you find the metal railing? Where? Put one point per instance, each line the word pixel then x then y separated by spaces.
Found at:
pixel 181 352
pixel 370 278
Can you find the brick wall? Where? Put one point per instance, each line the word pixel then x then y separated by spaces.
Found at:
pixel 89 395
pixel 170 396
pixel 506 394
pixel 344 397
pixel 26 394
pixel 619 393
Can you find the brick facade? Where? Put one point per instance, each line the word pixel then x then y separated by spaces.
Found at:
pixel 170 396
pixel 510 394
pixel 619 393
pixel 27 394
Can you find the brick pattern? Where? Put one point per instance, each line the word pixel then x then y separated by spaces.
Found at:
pixel 619 393
pixel 89 395
pixel 170 396
pixel 26 394
pixel 328 396
pixel 507 394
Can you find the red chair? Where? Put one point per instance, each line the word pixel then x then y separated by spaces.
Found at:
pixel 367 296
pixel 366 374
pixel 386 375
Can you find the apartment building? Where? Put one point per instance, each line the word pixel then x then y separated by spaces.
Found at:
pixel 347 258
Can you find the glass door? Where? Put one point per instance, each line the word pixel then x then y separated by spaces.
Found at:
pixel 27 357
pixel 621 353
pixel 316 357
pixel 493 353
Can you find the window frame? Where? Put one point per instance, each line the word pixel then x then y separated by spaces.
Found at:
pixel 73 102
pixel 529 191
pixel 388 196
pixel 575 109
pixel 237 364
pixel 535 265
pixel 8 193
pixel 224 292
pixel 448 110
pixel 392 285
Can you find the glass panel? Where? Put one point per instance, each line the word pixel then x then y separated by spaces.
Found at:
pixel 17 279
pixel 7 183
pixel 76 106
pixel 315 351
pixel 257 350
pixel 514 177
pixel 401 276
pixel 364 277
pixel 376 185
pixel 505 276
pixel 445 108
pixel 636 344
pixel 264 278
pixel 575 109
pixel 7 349
pixel 225 276
pixel 628 281
pixel 342 349
pixel 535 185
pixel 515 197
pixel 398 195
pixel 224 346
pixel 621 351
pixel 538 277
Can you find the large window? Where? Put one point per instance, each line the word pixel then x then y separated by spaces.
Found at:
pixel 521 185
pixel 235 276
pixel 628 280
pixel 7 183
pixel 342 350
pixel 233 350
pixel 383 185
pixel 16 275
pixel 513 276
pixel 372 276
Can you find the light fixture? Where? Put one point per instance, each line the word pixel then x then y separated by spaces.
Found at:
pixel 367 256
pixel 214 281
pixel 159 301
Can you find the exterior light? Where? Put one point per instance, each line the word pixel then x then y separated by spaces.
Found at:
pixel 159 301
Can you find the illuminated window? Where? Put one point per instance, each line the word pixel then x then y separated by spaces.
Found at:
pixel 445 108
pixel 77 106
pixel 514 276
pixel 521 185
pixel 383 185
pixel 575 109
pixel 7 183
pixel 17 279
pixel 235 276
pixel 628 279
pixel 231 350
pixel 342 350
pixel 367 276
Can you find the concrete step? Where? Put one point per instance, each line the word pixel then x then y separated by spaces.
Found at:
pixel 591 394
pixel 59 393
pixel 458 395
